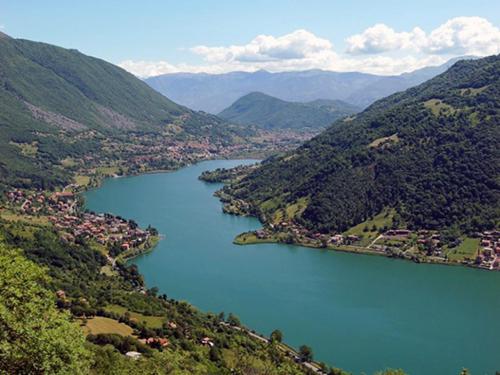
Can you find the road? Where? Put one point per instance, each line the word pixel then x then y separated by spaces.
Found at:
pixel 309 365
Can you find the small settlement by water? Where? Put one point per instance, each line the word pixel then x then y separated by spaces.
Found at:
pixel 117 235
pixel 419 246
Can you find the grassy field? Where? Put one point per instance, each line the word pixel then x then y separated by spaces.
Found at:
pixel 467 249
pixel 101 324
pixel 377 142
pixel 436 106
pixel 151 321
pixel 108 271
pixel 250 238
pixel 382 219
pixel 108 171
pixel 82 180
pixel 297 208
pixel 27 149
pixel 471 91
pixel 12 216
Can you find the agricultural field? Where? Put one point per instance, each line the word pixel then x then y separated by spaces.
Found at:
pixel 369 229
pixel 101 324
pixel 466 250
pixel 151 321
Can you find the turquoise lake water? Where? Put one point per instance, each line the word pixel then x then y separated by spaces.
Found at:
pixel 358 312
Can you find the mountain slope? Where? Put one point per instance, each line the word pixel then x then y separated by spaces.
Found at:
pixel 214 92
pixel 271 113
pixel 57 103
pixel 431 153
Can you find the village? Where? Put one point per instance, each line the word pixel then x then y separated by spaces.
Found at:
pixel 482 250
pixel 150 152
pixel 115 234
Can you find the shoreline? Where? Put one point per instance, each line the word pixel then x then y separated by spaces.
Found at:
pixel 355 250
pixel 80 207
pixel 285 348
pixel 131 259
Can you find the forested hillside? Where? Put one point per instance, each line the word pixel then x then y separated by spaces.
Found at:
pixel 57 103
pixel 431 153
pixel 272 113
pixel 59 314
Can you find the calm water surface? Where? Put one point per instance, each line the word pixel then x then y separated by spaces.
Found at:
pixel 361 313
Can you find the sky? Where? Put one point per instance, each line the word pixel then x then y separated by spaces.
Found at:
pixel 156 37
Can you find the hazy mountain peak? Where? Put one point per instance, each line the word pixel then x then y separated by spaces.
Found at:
pixel 214 92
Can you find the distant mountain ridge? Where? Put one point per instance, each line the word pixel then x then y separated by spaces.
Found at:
pixel 272 113
pixel 214 92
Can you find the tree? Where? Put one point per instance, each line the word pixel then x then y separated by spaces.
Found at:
pixel 153 291
pixel 221 316
pixel 215 354
pixel 233 320
pixel 305 353
pixel 35 337
pixel 276 336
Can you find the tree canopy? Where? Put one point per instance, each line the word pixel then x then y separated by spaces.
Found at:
pixel 35 337
pixel 431 153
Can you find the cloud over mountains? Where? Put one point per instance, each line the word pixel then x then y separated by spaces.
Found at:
pixel 461 35
pixel 379 49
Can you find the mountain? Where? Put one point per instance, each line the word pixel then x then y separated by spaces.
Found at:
pixel 388 85
pixel 271 113
pixel 214 92
pixel 57 103
pixel 430 153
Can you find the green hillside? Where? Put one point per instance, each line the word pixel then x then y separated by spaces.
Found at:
pixel 431 153
pixel 57 103
pixel 272 113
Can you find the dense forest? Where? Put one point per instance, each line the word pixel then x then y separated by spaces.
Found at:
pixel 272 113
pixel 430 152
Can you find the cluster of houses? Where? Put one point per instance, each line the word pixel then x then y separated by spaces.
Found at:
pixel 42 203
pixel 103 228
pixel 304 235
pixel 31 203
pixel 59 207
pixel 429 242
pixel 489 250
pixel 150 151
pixel 156 342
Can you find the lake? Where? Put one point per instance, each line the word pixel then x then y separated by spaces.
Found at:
pixel 358 312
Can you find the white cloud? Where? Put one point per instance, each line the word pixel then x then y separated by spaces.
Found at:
pixel 148 68
pixel 300 44
pixel 465 35
pixel 299 50
pixel 381 38
pixel 457 36
pixel 378 50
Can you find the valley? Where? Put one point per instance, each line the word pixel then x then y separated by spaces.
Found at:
pixel 237 188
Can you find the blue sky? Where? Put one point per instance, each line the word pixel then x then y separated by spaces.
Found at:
pixel 166 31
